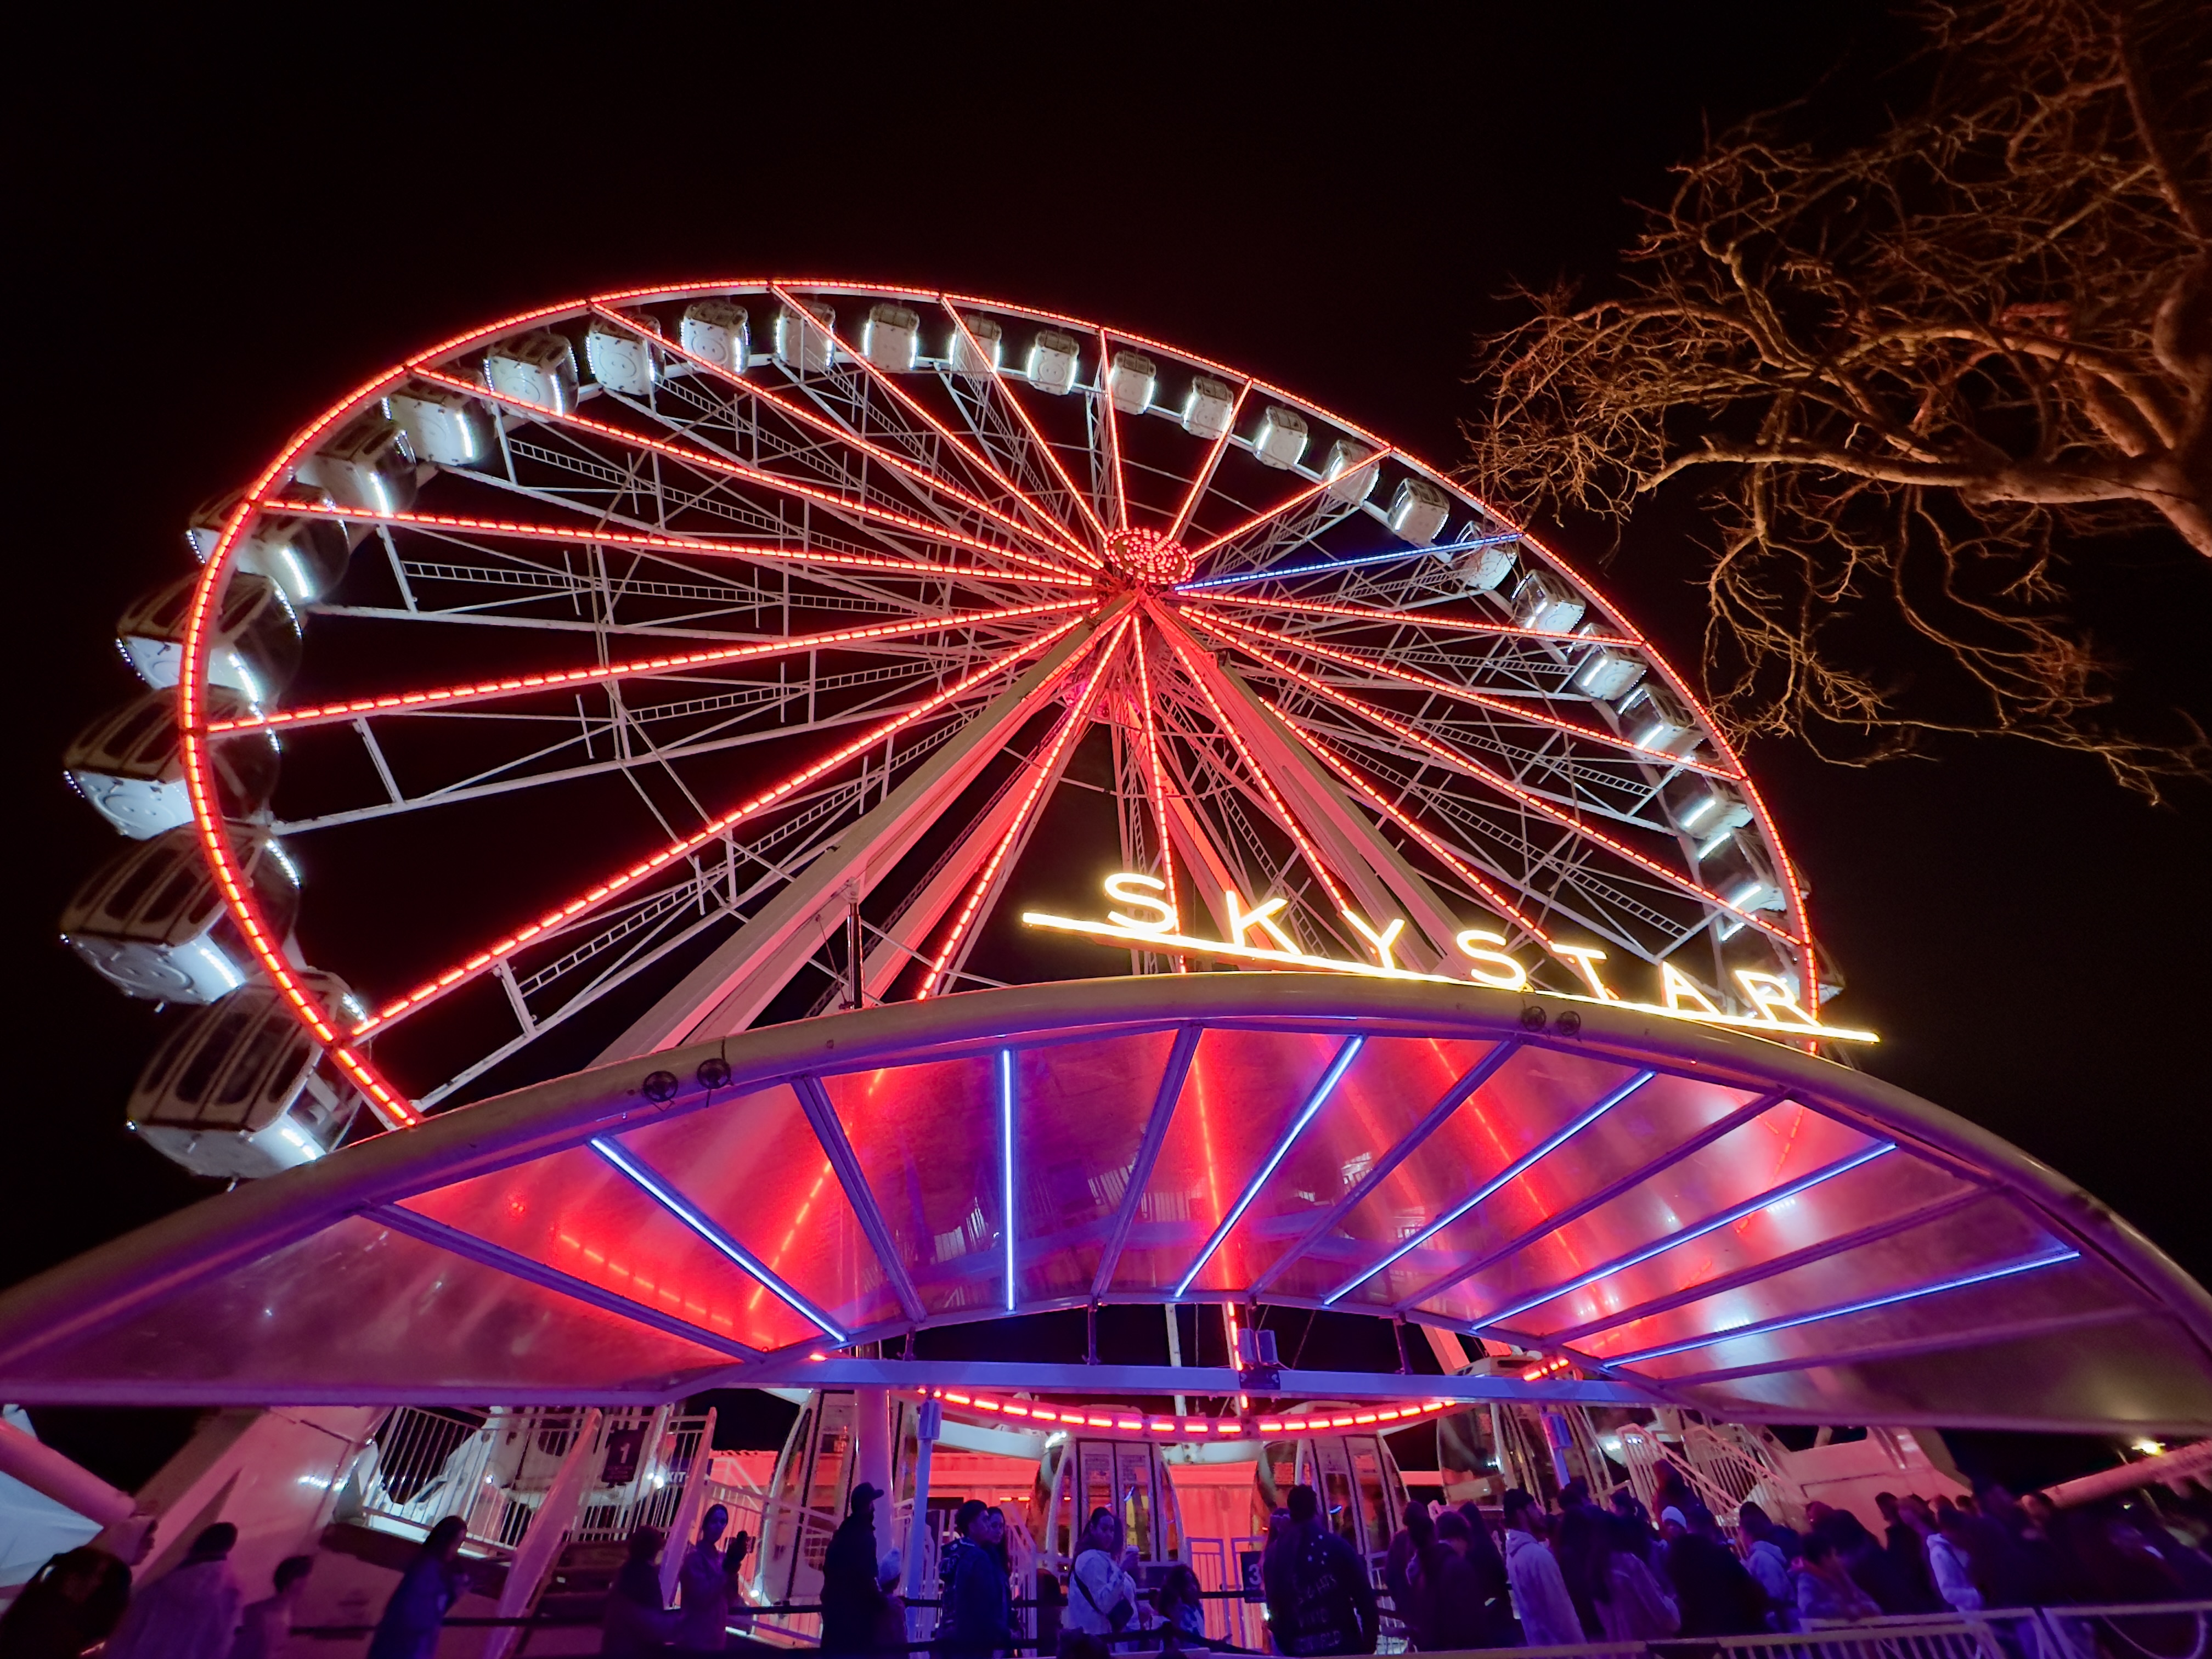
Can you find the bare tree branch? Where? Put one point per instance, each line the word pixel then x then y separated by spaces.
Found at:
pixel 1900 370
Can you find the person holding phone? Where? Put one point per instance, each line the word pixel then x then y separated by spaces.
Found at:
pixel 1102 1598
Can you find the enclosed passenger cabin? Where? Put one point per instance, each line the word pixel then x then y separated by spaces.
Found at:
pixel 254 649
pixel 240 1090
pixel 1362 1493
pixel 306 555
pixel 128 765
pixel 151 922
pixel 1085 1469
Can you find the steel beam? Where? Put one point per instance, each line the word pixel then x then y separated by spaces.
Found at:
pixel 724 994
pixel 1089 1382
pixel 1378 874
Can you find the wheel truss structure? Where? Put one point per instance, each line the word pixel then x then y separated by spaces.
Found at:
pixel 730 659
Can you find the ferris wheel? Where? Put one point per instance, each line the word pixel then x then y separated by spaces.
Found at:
pixel 635 671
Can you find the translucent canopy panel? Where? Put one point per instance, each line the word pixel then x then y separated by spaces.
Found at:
pixel 1684 1215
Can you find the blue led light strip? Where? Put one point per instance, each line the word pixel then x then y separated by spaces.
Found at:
pixel 1345 1056
pixel 1726 1217
pixel 1007 1162
pixel 1766 1326
pixel 1276 572
pixel 677 1205
pixel 1513 1171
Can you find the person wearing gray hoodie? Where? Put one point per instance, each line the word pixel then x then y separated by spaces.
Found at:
pixel 1548 1619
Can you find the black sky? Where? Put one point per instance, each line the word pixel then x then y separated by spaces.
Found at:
pixel 218 233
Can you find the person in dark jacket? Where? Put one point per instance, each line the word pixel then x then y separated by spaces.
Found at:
pixel 1455 1596
pixel 430 1585
pixel 1871 1567
pixel 1399 1569
pixel 59 1614
pixel 1715 1594
pixel 1324 1604
pixel 851 1601
pixel 637 1622
pixel 979 1610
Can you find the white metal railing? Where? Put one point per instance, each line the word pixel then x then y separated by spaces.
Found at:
pixel 493 1469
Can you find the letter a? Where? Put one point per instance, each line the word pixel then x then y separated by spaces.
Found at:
pixel 1676 985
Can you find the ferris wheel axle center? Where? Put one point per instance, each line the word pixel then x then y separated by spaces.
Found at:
pixel 1146 558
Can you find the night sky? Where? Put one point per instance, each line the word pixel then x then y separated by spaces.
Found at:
pixel 217 237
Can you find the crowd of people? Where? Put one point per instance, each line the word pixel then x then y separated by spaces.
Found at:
pixel 1548 1577
pixel 1586 1573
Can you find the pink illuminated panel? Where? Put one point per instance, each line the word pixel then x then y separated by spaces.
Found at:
pixel 1080 1108
pixel 1988 1234
pixel 925 1136
pixel 1383 1094
pixel 574 1212
pixel 754 1168
pixel 1243 1090
pixel 1779 1150
pixel 1534 1096
pixel 358 1306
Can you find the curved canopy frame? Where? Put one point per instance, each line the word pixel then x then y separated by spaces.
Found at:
pixel 1690 1216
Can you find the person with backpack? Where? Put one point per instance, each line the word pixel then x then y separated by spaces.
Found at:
pixel 1321 1602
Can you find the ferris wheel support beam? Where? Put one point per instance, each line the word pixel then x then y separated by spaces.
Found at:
pixel 726 992
pixel 1374 869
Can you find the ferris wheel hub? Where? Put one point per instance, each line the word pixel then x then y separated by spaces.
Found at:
pixel 1147 559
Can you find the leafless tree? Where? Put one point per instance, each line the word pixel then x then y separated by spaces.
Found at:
pixel 1909 372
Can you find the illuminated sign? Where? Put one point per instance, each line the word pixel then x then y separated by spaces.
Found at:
pixel 1154 928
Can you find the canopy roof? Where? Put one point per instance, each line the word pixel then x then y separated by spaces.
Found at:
pixel 1693 1215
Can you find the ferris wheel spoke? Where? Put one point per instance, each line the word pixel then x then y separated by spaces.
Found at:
pixel 1064 536
pixel 1154 774
pixel 1262 520
pixel 752 704
pixel 674 663
pixel 952 954
pixel 1526 798
pixel 1361 615
pixel 475 966
pixel 795 548
pixel 816 421
pixel 1558 877
pixel 1203 477
pixel 702 462
pixel 1190 657
pixel 1102 401
pixel 1483 886
pixel 1041 445
pixel 1233 632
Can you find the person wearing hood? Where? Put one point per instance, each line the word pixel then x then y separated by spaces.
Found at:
pixel 1768 1564
pixel 1548 1619
pixel 190 1613
pixel 852 1601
